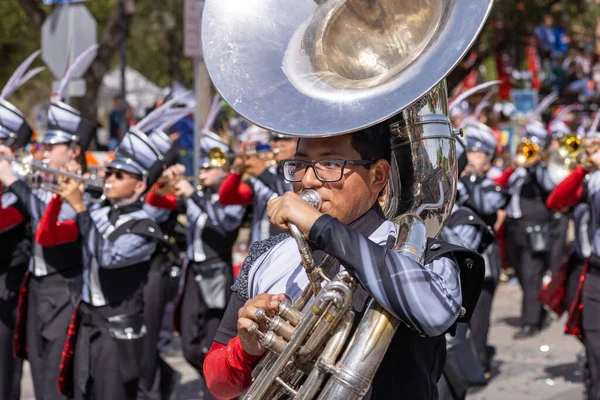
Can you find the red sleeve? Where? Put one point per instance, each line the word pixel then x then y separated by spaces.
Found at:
pixel 168 201
pixel 9 216
pixel 569 192
pixel 50 232
pixel 233 191
pixel 228 369
pixel 502 180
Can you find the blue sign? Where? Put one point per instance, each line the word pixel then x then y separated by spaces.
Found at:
pixel 52 2
pixel 524 100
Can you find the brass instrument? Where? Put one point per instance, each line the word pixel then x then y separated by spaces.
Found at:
pixel 329 68
pixel 165 186
pixel 218 159
pixel 570 153
pixel 23 165
pixel 528 153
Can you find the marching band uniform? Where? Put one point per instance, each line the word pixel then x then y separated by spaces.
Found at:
pixel 273 266
pixel 212 231
pixel 255 190
pixel 464 366
pixel 527 228
pixel 107 328
pixel 575 285
pixel 15 252
pixel 485 198
pixel 158 379
pixel 54 282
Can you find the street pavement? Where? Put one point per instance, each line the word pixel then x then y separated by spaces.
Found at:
pixel 544 367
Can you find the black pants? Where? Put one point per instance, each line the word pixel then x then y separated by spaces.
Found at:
pixel 50 305
pixel 199 323
pixel 98 359
pixel 558 233
pixel 530 268
pixel 157 376
pixel 480 321
pixel 591 330
pixel 10 367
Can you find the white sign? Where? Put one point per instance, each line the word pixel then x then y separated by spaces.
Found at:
pixel 67 32
pixel 75 88
pixel 192 20
pixel 52 2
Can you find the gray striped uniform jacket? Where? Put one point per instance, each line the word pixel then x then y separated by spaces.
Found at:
pixel 112 263
pixel 427 298
pixel 265 190
pixel 484 196
pixel 515 185
pixel 47 260
pixel 212 227
pixel 467 236
pixel 593 194
pixel 8 199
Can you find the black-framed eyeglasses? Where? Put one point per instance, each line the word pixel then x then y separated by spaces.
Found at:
pixel 329 170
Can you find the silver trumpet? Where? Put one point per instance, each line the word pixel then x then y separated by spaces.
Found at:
pixel 23 165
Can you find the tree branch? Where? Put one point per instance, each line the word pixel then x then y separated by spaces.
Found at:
pixel 34 12
pixel 109 42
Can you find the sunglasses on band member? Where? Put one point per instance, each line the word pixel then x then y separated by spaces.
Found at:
pixel 330 170
pixel 119 175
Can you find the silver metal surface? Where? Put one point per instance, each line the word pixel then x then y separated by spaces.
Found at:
pixel 308 69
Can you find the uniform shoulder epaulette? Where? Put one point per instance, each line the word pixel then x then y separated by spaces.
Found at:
pixel 472 272
pixel 143 227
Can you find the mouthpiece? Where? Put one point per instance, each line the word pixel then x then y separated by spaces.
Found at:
pixel 312 197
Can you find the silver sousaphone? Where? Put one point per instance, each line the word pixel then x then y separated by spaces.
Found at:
pixel 316 68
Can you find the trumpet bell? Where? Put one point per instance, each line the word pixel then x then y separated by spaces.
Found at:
pixel 216 158
pixel 527 153
pixel 333 66
pixel 560 167
pixel 570 145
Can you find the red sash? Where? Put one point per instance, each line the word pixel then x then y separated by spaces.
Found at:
pixel 573 326
pixel 66 367
pixel 20 349
pixel 553 294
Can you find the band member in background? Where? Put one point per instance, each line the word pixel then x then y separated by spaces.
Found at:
pixel 208 274
pixel 464 367
pixel 527 230
pixel 262 184
pixel 349 172
pixel 104 348
pixel 158 379
pixel 54 279
pixel 575 286
pixel 564 124
pixel 15 239
pixel 484 198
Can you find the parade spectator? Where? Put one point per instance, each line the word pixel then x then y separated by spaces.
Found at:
pixel 115 118
pixel 546 37
pixel 561 38
pixel 183 133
